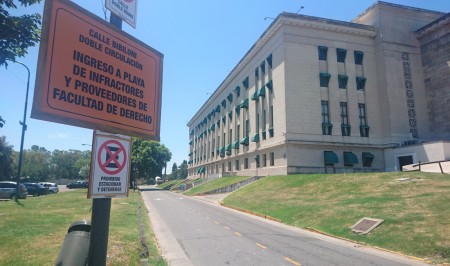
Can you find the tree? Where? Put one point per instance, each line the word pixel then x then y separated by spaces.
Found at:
pixel 36 164
pixel 183 170
pixel 6 161
pixel 18 32
pixel 63 164
pixel 2 122
pixel 83 163
pixel 174 171
pixel 150 157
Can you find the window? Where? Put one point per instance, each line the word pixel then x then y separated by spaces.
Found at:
pixel 367 159
pixel 229 166
pixel 245 83
pixel 341 54
pixel 322 52
pixel 236 165
pixel 272 159
pixel 324 79
pixel 237 90
pixel 326 125
pixel 269 61
pixel 363 127
pixel 263 67
pixel 360 83
pixel 345 127
pixel 359 56
pixel 264 160
pixel 257 73
pixel 247 128
pixel 342 79
pixel 245 163
pixel 257 161
pixel 271 121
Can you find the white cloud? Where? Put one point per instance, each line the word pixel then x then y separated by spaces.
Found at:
pixel 58 136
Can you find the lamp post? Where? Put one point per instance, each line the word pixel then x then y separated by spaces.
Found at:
pixel 24 128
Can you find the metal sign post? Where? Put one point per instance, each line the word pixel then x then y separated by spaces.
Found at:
pixel 101 210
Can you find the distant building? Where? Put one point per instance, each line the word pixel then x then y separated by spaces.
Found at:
pixel 316 95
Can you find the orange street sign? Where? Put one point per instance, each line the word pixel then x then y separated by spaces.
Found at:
pixel 93 75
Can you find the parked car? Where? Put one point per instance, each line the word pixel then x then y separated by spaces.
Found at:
pixel 52 187
pixel 36 189
pixel 78 184
pixel 8 190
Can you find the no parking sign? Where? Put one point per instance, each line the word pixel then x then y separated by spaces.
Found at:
pixel 110 165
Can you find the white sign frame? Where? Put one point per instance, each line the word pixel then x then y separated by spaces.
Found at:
pixel 106 181
pixel 125 9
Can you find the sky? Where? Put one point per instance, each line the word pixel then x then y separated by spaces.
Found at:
pixel 202 41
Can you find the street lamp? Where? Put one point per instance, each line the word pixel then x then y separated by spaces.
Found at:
pixel 24 128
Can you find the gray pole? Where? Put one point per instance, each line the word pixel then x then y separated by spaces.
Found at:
pixel 101 209
pixel 24 128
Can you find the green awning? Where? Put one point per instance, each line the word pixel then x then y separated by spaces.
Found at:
pixel 255 138
pixel 330 157
pixel 271 131
pixel 237 90
pixel 350 158
pixel 238 109
pixel 230 114
pixel 212 127
pixel 255 96
pixel 244 141
pixel 230 97
pixel 228 148
pixel 244 104
pixel 262 91
pixel 236 145
pixel 269 85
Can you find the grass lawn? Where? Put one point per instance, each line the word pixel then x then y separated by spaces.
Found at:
pixel 32 232
pixel 214 184
pixel 416 211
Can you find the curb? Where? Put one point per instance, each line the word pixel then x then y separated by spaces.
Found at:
pixel 366 245
pixel 252 213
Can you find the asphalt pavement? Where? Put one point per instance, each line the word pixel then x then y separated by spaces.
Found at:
pixel 198 231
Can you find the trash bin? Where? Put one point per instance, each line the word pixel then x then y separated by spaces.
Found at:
pixel 75 248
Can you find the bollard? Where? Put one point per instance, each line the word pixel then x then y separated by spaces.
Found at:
pixel 75 248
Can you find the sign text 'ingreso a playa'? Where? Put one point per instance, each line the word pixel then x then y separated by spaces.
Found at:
pixel 93 75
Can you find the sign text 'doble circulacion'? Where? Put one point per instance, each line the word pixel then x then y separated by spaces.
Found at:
pixel 93 75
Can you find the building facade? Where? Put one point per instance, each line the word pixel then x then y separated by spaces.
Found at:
pixel 316 95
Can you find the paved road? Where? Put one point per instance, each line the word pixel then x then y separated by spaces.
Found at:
pixel 191 231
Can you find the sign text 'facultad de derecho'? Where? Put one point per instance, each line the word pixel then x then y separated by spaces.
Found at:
pixel 91 76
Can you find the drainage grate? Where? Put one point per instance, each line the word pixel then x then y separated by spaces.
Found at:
pixel 365 225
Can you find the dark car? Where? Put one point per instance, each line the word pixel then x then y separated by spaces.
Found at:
pixel 36 189
pixel 78 184
pixel 8 190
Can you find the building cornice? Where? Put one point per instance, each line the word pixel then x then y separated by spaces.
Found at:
pixel 287 19
pixel 437 24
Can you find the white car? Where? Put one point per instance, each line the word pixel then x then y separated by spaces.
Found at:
pixel 52 187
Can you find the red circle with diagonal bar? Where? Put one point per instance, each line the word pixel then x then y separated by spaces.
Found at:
pixel 111 158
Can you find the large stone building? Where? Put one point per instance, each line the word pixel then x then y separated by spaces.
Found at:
pixel 316 95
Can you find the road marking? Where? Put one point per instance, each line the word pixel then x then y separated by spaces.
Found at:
pixel 292 261
pixel 237 233
pixel 226 227
pixel 261 246
pixel 216 222
pixel 207 217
